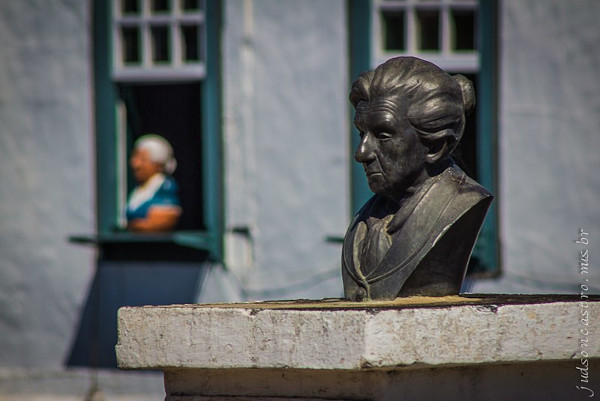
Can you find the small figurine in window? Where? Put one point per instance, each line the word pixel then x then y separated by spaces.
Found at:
pixel 153 205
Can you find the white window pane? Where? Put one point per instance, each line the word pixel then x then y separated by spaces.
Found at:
pixel 159 40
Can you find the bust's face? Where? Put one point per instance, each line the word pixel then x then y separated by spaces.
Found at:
pixel 390 150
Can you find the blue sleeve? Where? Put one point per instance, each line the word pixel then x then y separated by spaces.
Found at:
pixel 167 194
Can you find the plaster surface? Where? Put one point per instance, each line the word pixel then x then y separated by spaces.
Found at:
pixel 35 384
pixel 285 147
pixel 47 194
pixel 548 121
pixel 46 159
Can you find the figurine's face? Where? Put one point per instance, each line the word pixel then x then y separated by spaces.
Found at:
pixel 390 150
pixel 142 165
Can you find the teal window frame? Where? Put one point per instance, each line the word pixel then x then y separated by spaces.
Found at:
pixel 361 42
pixel 105 126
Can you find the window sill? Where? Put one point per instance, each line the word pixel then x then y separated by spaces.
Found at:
pixel 201 240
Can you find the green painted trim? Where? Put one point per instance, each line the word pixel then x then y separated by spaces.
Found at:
pixel 105 119
pixel 211 131
pixel 359 27
pixel 487 249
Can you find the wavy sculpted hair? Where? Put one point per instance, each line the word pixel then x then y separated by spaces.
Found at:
pixel 437 102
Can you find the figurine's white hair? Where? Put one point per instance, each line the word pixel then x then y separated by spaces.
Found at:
pixel 159 151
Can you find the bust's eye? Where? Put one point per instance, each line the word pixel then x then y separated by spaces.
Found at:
pixel 361 134
pixel 384 135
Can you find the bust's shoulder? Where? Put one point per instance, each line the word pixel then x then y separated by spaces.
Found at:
pixel 466 187
pixel 462 196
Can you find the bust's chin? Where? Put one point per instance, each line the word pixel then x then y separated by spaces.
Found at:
pixel 377 182
pixel 399 190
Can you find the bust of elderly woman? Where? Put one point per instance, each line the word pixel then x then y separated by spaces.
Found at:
pixel 153 205
pixel 416 234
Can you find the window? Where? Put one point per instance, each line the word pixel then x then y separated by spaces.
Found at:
pixel 156 70
pixel 158 40
pixel 441 31
pixel 458 36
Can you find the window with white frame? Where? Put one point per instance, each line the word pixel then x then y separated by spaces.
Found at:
pixel 441 31
pixel 156 70
pixel 158 40
pixel 460 37
pixel 159 65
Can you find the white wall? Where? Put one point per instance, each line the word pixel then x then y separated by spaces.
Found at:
pixel 549 144
pixel 46 162
pixel 47 186
pixel 286 148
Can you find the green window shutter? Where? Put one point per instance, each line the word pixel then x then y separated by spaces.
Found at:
pixel 211 135
pixel 105 97
pixel 486 248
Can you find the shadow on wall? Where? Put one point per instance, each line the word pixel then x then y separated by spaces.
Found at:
pixel 123 283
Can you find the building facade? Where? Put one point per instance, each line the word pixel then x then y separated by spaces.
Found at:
pixel 271 159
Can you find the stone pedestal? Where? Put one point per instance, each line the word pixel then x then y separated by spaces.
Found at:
pixel 451 348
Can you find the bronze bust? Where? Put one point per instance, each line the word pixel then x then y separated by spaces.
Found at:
pixel 416 234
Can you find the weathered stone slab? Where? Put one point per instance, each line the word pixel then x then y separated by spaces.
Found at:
pixel 326 335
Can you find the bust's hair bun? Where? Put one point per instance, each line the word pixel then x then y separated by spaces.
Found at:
pixel 468 92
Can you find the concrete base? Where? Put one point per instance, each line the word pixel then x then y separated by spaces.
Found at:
pixel 452 348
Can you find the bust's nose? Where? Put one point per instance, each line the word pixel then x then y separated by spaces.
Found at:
pixel 364 152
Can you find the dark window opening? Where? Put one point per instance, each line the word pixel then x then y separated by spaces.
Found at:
pixel 160 44
pixel 190 5
pixel 190 43
pixel 173 111
pixel 160 6
pixel 465 155
pixel 465 24
pixel 393 31
pixel 428 30
pixel 130 6
pixel 131 44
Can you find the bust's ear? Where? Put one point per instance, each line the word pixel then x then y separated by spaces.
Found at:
pixel 440 147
